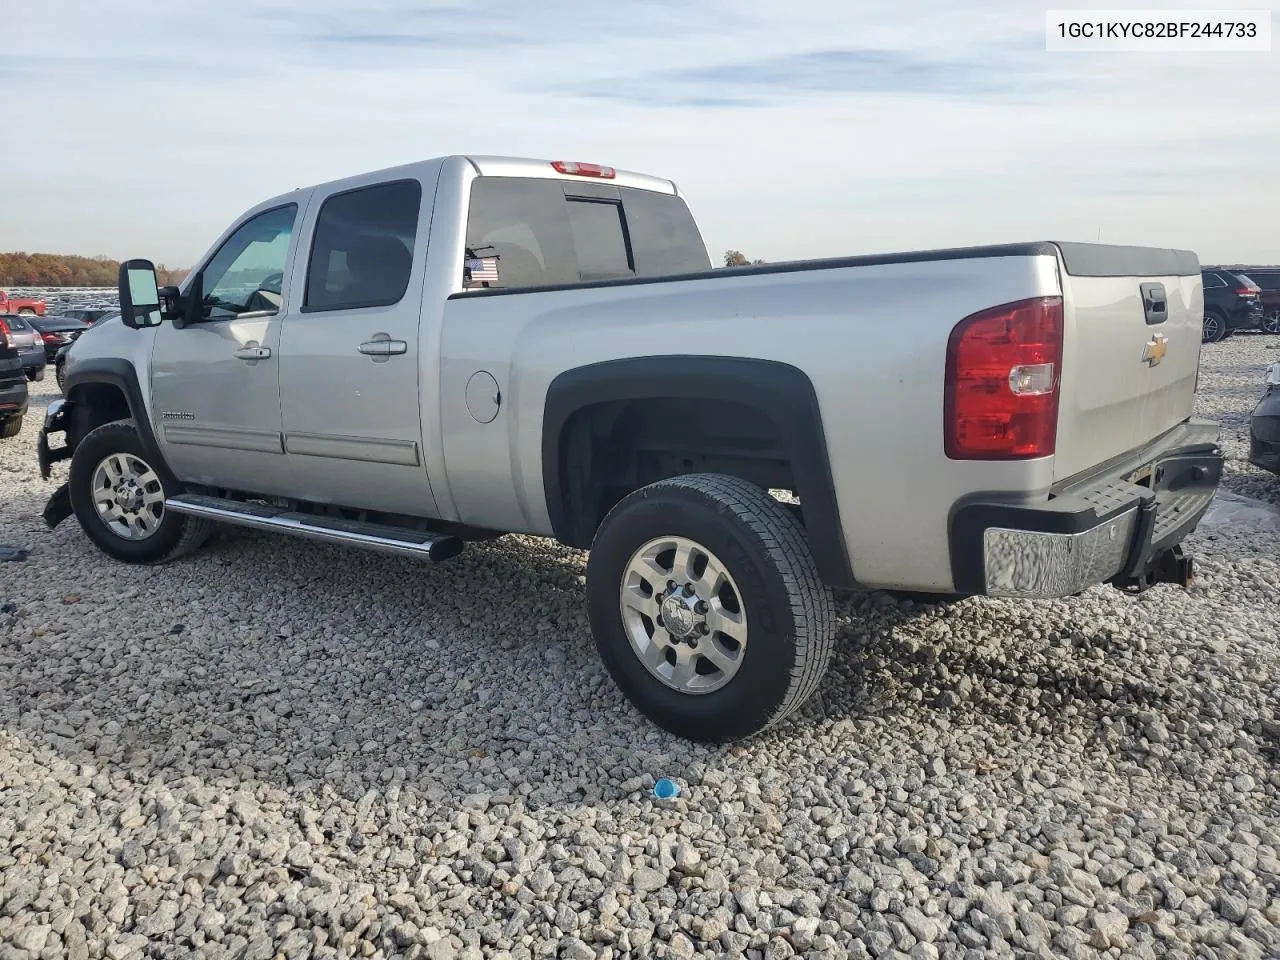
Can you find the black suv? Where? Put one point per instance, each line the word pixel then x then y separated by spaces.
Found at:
pixel 13 390
pixel 1231 302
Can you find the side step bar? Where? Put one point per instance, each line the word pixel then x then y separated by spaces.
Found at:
pixel 370 536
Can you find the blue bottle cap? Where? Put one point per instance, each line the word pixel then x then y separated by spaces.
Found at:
pixel 666 789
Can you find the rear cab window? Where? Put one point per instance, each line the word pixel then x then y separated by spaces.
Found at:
pixel 533 232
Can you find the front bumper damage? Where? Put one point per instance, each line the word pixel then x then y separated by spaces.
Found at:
pixel 1122 527
pixel 56 420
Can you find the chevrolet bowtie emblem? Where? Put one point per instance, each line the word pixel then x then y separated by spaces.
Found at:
pixel 1155 349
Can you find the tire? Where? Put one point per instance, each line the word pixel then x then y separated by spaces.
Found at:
pixel 173 534
pixel 10 428
pixel 35 374
pixel 1271 322
pixel 784 613
pixel 26 312
pixel 1215 327
pixel 60 375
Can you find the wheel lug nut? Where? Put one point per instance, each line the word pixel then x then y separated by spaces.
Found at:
pixel 688 590
pixel 701 606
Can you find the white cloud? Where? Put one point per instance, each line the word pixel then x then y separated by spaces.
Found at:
pixel 873 126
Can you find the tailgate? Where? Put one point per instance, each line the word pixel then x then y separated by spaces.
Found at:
pixel 1128 368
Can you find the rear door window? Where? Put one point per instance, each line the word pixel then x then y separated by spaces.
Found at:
pixel 1213 280
pixel 362 253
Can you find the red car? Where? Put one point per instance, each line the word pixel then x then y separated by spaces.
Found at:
pixel 23 305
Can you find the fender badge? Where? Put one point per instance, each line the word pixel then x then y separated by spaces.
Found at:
pixel 1155 349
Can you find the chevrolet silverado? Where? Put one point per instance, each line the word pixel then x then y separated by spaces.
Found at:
pixel 454 349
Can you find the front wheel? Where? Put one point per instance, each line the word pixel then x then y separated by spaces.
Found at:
pixel 118 489
pixel 707 608
pixel 10 428
pixel 60 375
pixel 1271 322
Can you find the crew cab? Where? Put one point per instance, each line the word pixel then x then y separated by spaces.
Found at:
pixel 450 350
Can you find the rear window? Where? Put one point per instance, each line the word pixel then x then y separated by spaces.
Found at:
pixel 535 232
pixel 15 322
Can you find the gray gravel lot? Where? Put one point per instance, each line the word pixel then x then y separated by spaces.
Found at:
pixel 276 748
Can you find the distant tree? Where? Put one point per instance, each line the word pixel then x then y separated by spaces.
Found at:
pixel 22 269
pixel 736 258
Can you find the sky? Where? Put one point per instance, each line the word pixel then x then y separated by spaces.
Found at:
pixel 828 128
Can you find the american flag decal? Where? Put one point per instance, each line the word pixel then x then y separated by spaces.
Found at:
pixel 483 272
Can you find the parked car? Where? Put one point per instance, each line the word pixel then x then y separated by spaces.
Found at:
pixel 86 315
pixel 1269 281
pixel 465 346
pixel 26 339
pixel 60 356
pixel 1264 425
pixel 1231 303
pixel 57 332
pixel 13 390
pixel 27 306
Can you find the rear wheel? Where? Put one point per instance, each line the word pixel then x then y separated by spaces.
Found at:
pixel 10 428
pixel 26 312
pixel 60 375
pixel 118 489
pixel 1215 327
pixel 707 608
pixel 35 374
pixel 1271 322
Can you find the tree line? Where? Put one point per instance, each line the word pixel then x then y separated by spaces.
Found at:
pixel 736 258
pixel 67 270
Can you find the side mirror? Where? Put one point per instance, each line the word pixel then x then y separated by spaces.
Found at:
pixel 139 294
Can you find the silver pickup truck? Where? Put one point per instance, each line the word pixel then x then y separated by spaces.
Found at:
pixel 455 349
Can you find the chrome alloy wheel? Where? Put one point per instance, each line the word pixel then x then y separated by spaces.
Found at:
pixel 684 615
pixel 128 496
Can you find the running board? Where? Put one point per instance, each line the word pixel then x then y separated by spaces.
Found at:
pixel 356 533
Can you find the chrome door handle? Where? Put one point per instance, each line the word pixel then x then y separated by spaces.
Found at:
pixel 383 348
pixel 252 351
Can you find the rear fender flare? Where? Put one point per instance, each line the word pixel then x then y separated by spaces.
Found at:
pixel 779 392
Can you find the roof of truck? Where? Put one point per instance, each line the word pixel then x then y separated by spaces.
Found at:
pixel 491 166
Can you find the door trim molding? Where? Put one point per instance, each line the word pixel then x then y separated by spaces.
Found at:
pixel 226 438
pixel 403 453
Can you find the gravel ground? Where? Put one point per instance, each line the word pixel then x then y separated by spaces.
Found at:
pixel 280 749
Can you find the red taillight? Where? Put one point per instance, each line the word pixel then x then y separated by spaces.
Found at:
pixel 50 338
pixel 1004 370
pixel 4 329
pixel 583 169
pixel 1247 291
